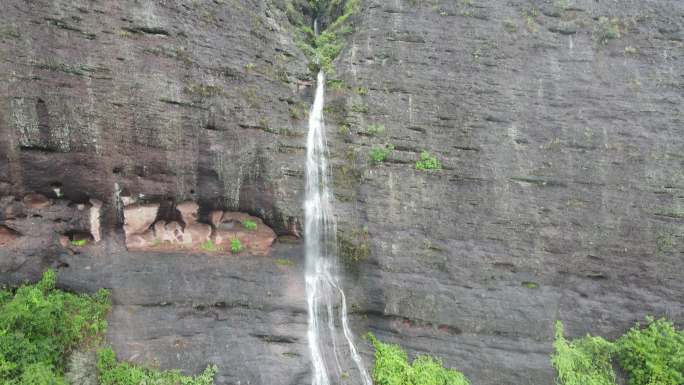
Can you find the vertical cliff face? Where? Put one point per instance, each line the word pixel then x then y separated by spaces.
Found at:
pixel 559 126
pixel 180 100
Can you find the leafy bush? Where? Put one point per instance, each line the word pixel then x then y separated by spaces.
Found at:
pixel 428 162
pixel 209 245
pixel 112 373
pixel 653 355
pixel 322 49
pixel 379 154
pixel 585 361
pixel 249 224
pixel 236 245
pixel 40 326
pixel 42 329
pixel 392 368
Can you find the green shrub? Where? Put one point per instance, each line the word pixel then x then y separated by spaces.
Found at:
pixel 392 368
pixel 379 154
pixel 585 361
pixel 79 242
pixel 653 355
pixel 607 29
pixel 40 326
pixel 43 329
pixel 428 162
pixel 249 224
pixel 209 245
pixel 235 245
pixel 112 373
pixel 375 129
pixel 322 49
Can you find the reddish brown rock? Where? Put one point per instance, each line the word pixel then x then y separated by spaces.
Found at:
pixel 94 219
pixel 215 217
pixel 139 217
pixel 8 236
pixel 36 201
pixel 196 234
pixel 64 240
pixel 141 241
pixel 171 232
pixel 257 241
pixel 188 211
pixel 12 209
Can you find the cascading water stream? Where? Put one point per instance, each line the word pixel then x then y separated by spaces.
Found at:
pixel 324 293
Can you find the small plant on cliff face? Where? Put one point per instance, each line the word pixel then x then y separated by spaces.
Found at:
pixel 235 246
pixel 79 242
pixel 209 245
pixel 428 162
pixel 249 224
pixel 375 129
pixel 607 29
pixel 379 154
pixel 284 262
pixel 392 368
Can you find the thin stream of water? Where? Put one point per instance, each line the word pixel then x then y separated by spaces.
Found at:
pixel 325 298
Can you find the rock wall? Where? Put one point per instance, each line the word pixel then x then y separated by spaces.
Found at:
pixel 559 126
pixel 160 99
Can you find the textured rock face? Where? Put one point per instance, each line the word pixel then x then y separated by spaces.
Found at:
pixel 562 167
pixel 161 99
pixel 561 135
pixel 139 217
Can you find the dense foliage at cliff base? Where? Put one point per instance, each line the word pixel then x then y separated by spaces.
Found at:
pixel 41 328
pixel 648 355
pixel 392 368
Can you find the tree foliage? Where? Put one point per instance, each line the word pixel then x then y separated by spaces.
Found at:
pixel 40 326
pixel 392 368
pixel 653 355
pixel 584 361
pixel 111 372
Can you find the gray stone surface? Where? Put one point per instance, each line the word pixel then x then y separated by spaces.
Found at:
pixel 562 167
pixel 560 196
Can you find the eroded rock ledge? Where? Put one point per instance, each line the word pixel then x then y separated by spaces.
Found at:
pixel 36 221
pixel 228 231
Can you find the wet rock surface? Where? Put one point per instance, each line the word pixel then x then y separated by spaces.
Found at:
pixel 559 129
pixel 559 126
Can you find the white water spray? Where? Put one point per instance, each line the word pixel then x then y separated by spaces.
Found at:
pixel 325 298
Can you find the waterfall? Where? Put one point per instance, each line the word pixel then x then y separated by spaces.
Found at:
pixel 326 301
